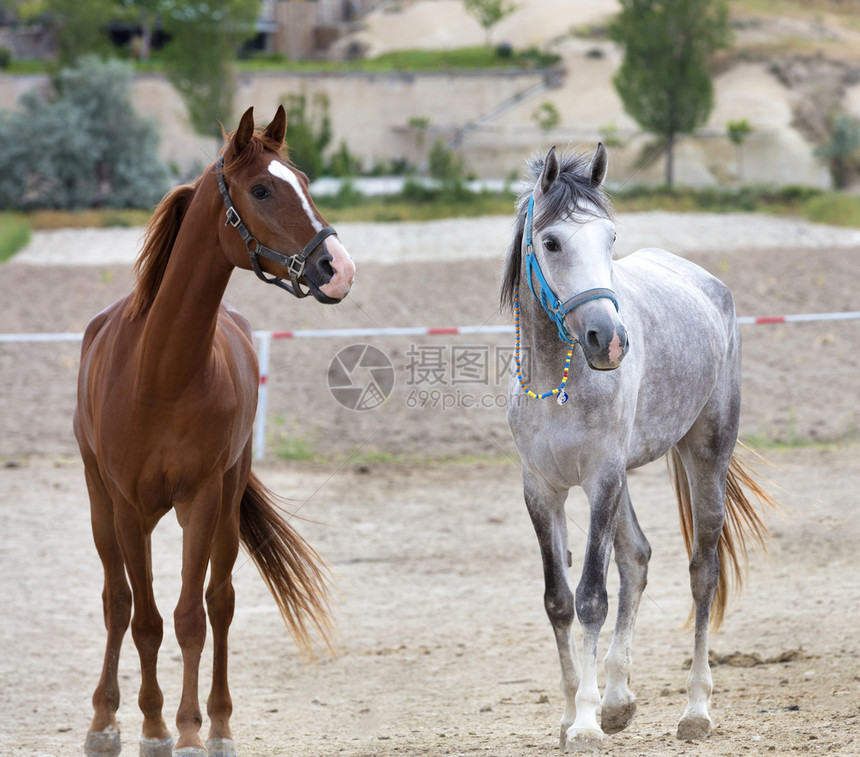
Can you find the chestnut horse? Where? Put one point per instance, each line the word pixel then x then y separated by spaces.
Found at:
pixel 167 392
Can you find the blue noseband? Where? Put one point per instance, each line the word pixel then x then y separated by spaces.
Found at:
pixel 555 308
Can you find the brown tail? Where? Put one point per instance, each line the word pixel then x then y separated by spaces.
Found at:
pixel 295 573
pixel 744 523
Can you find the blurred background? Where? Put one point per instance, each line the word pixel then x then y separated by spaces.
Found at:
pixel 414 119
pixel 706 95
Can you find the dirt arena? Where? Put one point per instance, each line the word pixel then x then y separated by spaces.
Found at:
pixel 444 648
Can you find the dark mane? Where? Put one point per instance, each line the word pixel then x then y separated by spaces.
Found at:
pixel 163 227
pixel 572 191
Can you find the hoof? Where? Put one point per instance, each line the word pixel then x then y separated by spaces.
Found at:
pixel 584 742
pixel 221 748
pixel 156 747
pixel 103 743
pixel 615 719
pixel 695 726
pixel 190 751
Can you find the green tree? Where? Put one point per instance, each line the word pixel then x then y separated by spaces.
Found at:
pixel 145 13
pixel 489 12
pixel 199 58
pixel 201 55
pixel 664 80
pixel 81 27
pixel 83 145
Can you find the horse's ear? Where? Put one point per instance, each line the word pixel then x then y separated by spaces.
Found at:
pixel 245 131
pixel 549 173
pixel 277 129
pixel 599 165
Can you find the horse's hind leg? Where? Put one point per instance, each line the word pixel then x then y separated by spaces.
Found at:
pixel 199 520
pixel 220 601
pixel 103 736
pixel 632 553
pixel 708 497
pixel 546 508
pixel 705 453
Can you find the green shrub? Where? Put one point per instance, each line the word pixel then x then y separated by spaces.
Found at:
pixel 343 162
pixel 82 146
pixel 308 132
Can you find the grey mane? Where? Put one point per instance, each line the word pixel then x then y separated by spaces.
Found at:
pixel 573 190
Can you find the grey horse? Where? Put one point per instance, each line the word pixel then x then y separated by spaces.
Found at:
pixel 648 352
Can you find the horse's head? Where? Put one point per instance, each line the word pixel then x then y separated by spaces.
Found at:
pixel 568 240
pixel 268 202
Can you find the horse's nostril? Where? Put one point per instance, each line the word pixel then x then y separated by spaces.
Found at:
pixel 593 339
pixel 326 269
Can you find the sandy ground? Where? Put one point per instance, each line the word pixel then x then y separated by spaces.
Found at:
pixel 444 647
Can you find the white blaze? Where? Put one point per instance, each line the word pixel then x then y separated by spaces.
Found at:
pixel 281 171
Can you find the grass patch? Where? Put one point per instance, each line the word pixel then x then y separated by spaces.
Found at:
pixel 833 208
pixel 294 448
pixel 453 200
pixel 394 458
pixel 464 58
pixel 759 442
pixel 458 59
pixel 783 200
pixel 14 234
pixel 818 206
pixel 47 220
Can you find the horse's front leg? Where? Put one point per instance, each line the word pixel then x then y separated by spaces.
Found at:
pixel 146 630
pixel 632 553
pixel 103 736
pixel 198 518
pixel 592 606
pixel 546 508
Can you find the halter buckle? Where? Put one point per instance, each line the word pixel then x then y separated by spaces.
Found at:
pixel 233 218
pixel 295 266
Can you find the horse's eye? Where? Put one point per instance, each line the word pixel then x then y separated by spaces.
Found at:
pixel 551 245
pixel 260 192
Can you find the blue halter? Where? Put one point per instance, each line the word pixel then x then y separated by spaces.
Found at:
pixel 555 308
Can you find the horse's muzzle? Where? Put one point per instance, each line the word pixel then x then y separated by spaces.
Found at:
pixel 603 338
pixel 330 276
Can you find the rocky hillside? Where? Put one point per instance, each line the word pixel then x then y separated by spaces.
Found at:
pixel 791 68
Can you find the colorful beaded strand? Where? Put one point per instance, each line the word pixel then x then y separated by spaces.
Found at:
pixel 559 390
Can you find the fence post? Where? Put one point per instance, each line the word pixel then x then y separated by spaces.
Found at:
pixel 264 343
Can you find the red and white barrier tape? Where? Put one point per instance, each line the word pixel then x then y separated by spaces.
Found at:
pixel 432 331
pixel 264 341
